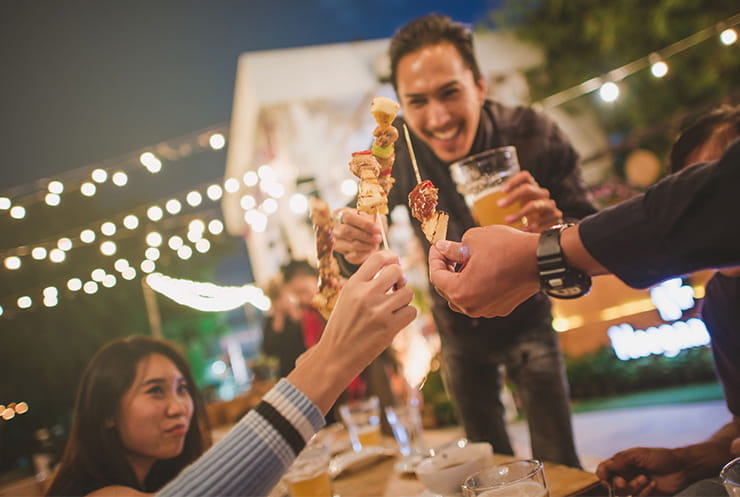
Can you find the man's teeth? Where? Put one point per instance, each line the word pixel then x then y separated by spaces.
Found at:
pixel 447 135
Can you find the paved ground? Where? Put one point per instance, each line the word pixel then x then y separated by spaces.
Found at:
pixel 600 434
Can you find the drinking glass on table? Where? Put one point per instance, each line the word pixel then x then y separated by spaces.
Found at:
pixel 730 477
pixel 405 422
pixel 362 419
pixel 515 479
pixel 308 476
pixel 480 177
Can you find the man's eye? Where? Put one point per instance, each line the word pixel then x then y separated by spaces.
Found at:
pixel 416 102
pixel 450 92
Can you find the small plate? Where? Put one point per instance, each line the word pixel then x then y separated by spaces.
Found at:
pixel 407 464
pixel 351 460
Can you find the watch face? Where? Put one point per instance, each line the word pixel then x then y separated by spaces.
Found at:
pixel 567 292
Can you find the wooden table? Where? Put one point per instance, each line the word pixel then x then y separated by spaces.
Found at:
pixel 381 479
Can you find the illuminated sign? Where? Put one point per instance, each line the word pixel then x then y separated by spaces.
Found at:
pixel 670 298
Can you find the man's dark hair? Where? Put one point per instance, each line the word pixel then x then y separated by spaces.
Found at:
pixel 722 123
pixel 432 29
pixel 295 267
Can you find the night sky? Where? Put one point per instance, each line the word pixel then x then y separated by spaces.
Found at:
pixel 83 81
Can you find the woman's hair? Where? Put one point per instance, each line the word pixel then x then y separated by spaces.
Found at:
pixel 94 455
pixel 432 29
pixel 721 125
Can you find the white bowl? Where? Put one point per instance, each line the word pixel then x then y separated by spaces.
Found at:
pixel 444 472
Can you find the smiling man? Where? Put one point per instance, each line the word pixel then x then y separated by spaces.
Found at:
pixel 443 98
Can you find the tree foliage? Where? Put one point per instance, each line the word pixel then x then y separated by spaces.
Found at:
pixel 583 39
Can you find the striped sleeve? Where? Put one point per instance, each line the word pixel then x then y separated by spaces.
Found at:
pixel 252 457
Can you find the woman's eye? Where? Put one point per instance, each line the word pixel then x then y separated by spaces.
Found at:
pixel 155 390
pixel 183 388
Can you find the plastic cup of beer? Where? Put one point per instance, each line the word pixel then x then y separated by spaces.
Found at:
pixel 309 474
pixel 362 419
pixel 480 177
pixel 730 477
pixel 524 478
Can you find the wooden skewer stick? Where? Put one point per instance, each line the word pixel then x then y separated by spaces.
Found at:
pixel 382 229
pixel 411 153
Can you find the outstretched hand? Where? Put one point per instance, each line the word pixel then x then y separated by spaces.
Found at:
pixel 372 308
pixel 489 274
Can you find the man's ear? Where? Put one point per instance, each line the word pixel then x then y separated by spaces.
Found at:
pixel 482 84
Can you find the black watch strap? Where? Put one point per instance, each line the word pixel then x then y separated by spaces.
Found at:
pixel 557 278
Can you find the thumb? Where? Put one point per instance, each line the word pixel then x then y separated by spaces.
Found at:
pixel 453 251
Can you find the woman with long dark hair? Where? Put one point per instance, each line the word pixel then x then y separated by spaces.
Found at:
pixel 139 425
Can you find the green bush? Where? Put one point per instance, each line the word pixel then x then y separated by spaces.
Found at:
pixel 601 373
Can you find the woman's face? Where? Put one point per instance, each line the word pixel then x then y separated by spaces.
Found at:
pixel 154 414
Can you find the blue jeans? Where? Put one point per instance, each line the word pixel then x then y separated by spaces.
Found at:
pixel 534 364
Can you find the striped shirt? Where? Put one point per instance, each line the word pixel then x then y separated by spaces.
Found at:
pixel 252 457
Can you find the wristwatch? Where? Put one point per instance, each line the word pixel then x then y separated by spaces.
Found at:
pixel 557 278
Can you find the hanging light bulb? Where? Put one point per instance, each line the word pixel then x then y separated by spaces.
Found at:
pixel 108 228
pixel 151 162
pixel 5 203
pixel 52 199
pixel 57 255
pixel 56 187
pixel 658 67
pixel 99 175
pixel 13 262
pixel 728 36
pixel 152 253
pixel 120 178
pixel 214 192
pixel 175 242
pixel 88 189
pixel 131 222
pixel 24 302
pixel 87 236
pixel 231 185
pixel 74 284
pixel 64 244
pixel 154 213
pixel 154 239
pixel 17 212
pixel 194 198
pixel 90 287
pixel 215 227
pixel 609 92
pixel 108 247
pixel 217 141
pixel 38 253
pixel 173 206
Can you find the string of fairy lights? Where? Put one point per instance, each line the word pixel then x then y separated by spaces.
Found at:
pixel 260 190
pixel 260 194
pixel 608 84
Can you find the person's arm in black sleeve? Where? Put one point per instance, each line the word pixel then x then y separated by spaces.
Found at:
pixel 683 223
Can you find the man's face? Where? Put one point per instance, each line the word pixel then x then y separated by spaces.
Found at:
pixel 441 100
